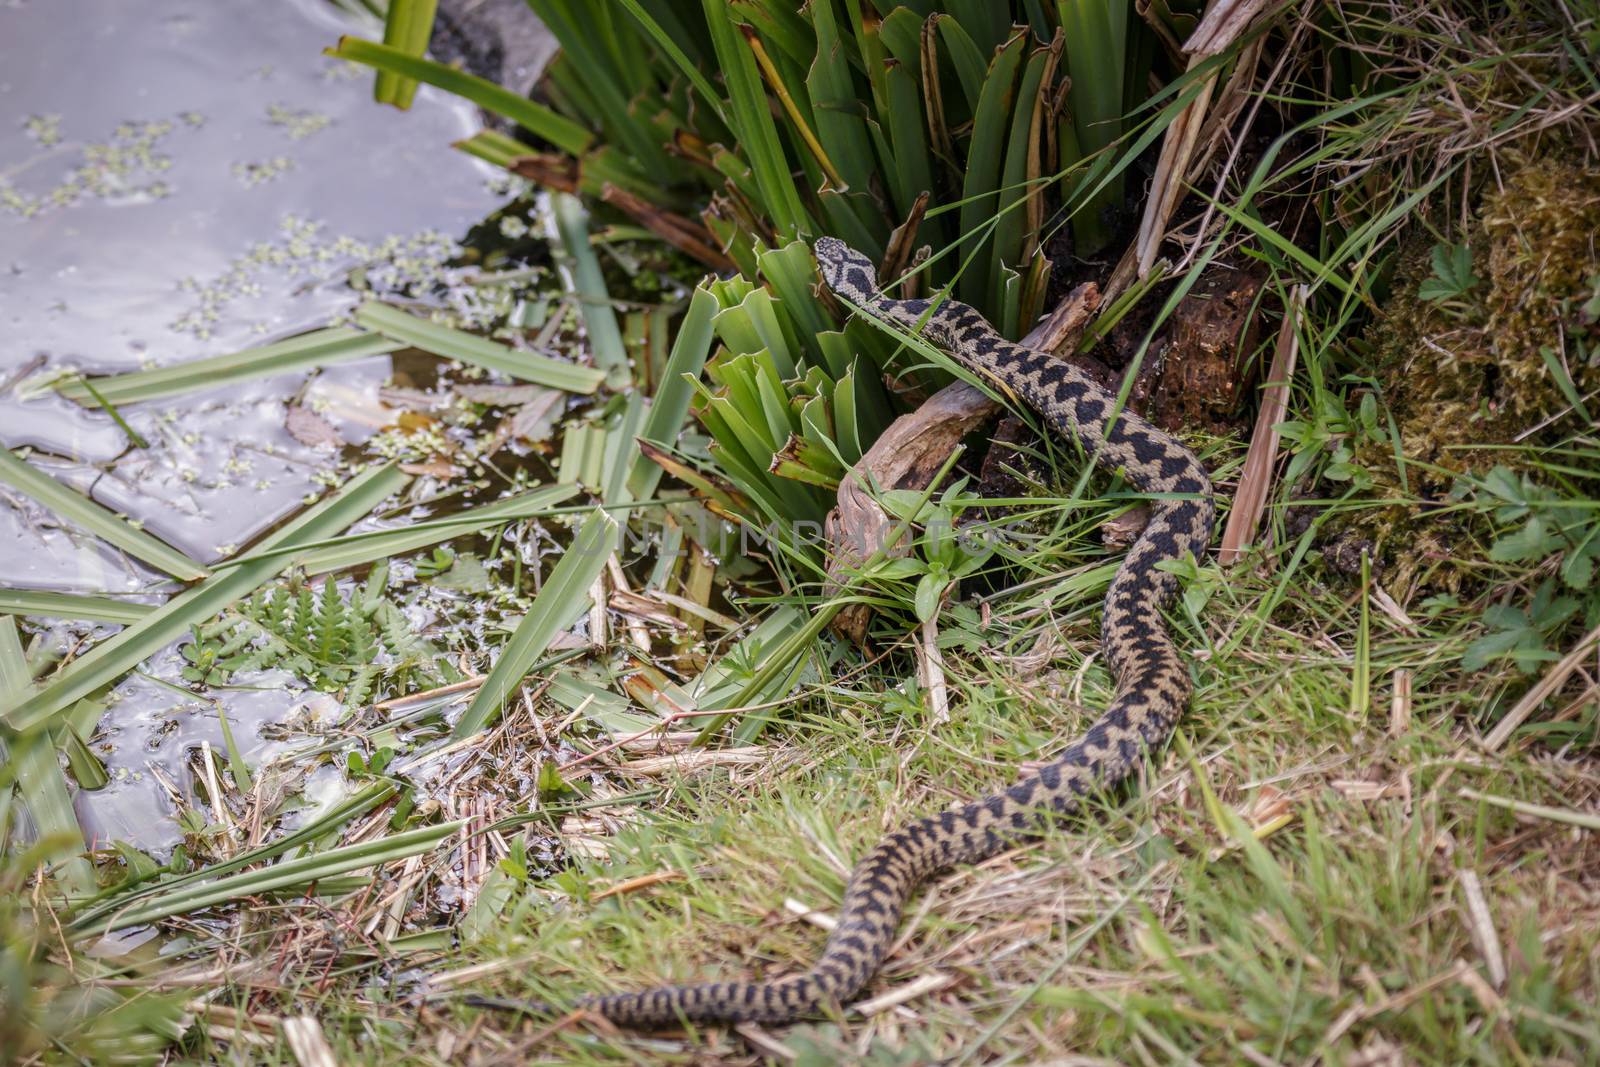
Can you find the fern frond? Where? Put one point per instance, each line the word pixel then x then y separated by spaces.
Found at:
pixel 330 640
pixel 361 645
pixel 359 692
pixel 303 623
pixel 396 628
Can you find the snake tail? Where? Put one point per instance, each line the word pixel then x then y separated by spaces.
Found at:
pixel 1152 680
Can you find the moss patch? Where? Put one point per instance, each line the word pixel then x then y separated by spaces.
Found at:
pixel 1494 365
pixel 1477 370
pixel 1543 266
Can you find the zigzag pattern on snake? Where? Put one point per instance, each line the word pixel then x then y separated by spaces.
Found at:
pixel 1152 681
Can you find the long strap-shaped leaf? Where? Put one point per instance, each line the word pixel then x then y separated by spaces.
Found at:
pixel 479 351
pixel 40 784
pixel 355 550
pixel 753 123
pixel 303 870
pixel 671 401
pixel 564 597
pixel 72 606
pixel 73 506
pixel 108 661
pixel 316 349
pixel 325 823
pixel 406 29
pixel 589 285
pixel 533 117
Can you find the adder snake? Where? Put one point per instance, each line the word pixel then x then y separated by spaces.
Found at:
pixel 1152 680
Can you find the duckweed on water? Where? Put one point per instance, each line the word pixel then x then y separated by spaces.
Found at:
pixel 251 175
pixel 122 167
pixel 396 265
pixel 298 123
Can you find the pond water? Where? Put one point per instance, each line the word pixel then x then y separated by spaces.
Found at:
pixel 178 179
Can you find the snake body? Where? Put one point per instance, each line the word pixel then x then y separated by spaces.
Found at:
pixel 1152 680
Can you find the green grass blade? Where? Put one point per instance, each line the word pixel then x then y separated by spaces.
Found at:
pixel 111 659
pixel 316 349
pixel 1096 33
pixel 492 146
pixel 671 403
pixel 1568 816
pixel 582 455
pixel 685 66
pixel 1361 667
pixel 795 99
pixel 1259 228
pixel 737 332
pixel 349 808
pixel 406 29
pixel 622 448
pixel 781 421
pixel 42 789
pixel 78 509
pixel 134 437
pixel 535 118
pixel 743 432
pixel 238 769
pixel 753 123
pixel 781 659
pixel 912 174
pixel 720 684
pixel 792 272
pixel 589 285
pixel 563 598
pixel 595 64
pixel 847 434
pixel 478 351
pixel 357 550
pixel 86 768
pixel 965 56
pixel 780 23
pixel 37 602
pixel 986 21
pixel 1020 180
pixel 296 872
pixel 900 33
pixel 40 783
pixel 365 547
pixel 840 126
pixel 984 157
pixel 869 48
pixel 1563 380
pixel 764 323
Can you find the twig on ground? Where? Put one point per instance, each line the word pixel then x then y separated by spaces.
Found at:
pixel 1250 499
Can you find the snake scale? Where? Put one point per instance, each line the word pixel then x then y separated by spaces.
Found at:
pixel 1152 680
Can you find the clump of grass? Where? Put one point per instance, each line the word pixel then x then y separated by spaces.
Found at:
pixel 1296 888
pixel 55 1004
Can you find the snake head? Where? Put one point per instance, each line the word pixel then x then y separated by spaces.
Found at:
pixel 847 272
